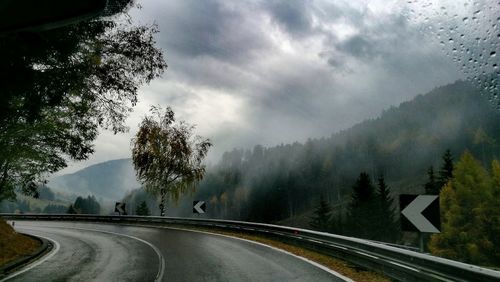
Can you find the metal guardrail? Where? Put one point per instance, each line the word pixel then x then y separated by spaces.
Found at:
pixel 395 262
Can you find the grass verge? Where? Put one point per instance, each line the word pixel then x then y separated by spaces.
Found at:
pixel 14 245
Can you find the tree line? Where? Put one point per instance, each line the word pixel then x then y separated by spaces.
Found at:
pixel 372 212
pixel 87 205
pixel 470 211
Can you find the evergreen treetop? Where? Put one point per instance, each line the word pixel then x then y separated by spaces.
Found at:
pixel 363 215
pixel 432 187
pixel 142 209
pixel 446 171
pixel 322 215
pixel 388 228
pixel 384 194
pixel 363 190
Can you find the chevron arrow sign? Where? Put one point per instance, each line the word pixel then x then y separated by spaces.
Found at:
pixel 120 208
pixel 420 213
pixel 199 207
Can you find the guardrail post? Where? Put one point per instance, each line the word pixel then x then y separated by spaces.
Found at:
pixel 421 241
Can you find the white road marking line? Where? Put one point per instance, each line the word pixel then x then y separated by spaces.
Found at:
pixel 161 271
pixel 338 275
pixel 38 262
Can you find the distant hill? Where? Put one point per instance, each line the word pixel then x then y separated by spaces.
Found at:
pixel 108 181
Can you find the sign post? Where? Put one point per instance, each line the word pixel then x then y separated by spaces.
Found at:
pixel 420 213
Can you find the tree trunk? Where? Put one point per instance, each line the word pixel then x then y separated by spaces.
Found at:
pixel 3 182
pixel 162 202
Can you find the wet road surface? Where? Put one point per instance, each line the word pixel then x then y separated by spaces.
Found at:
pixel 109 252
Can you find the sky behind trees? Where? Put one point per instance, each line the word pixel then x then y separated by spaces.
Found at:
pixel 271 72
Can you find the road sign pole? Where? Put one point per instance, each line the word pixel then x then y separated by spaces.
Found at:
pixel 421 239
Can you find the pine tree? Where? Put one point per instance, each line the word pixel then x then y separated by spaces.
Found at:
pixel 431 187
pixel 362 215
pixel 469 216
pixel 87 205
pixel 363 190
pixel 446 171
pixel 388 226
pixel 321 220
pixel 93 206
pixel 142 209
pixel 72 210
pixel 79 205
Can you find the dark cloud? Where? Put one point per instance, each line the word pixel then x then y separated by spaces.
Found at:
pixel 378 37
pixel 359 46
pixel 294 16
pixel 332 64
pixel 191 28
pixel 229 48
pixel 400 57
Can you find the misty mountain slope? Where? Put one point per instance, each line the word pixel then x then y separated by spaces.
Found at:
pixel 109 180
pixel 285 181
pixel 271 184
pixel 449 117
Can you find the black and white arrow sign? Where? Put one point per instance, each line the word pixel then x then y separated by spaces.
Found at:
pixel 120 208
pixel 420 213
pixel 199 207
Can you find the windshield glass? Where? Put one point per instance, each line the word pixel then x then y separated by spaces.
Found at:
pixel 376 120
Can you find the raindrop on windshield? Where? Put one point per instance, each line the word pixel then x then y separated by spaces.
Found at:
pixel 467 37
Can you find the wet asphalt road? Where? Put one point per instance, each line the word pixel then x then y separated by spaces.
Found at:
pixel 108 252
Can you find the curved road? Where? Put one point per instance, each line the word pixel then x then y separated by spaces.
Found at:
pixel 108 252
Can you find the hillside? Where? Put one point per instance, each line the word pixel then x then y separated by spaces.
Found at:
pixel 108 181
pixel 285 181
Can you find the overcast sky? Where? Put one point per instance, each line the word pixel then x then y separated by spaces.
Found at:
pixel 271 72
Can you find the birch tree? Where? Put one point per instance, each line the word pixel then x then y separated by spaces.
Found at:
pixel 167 157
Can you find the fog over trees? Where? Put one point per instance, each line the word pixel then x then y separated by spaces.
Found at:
pixel 349 183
